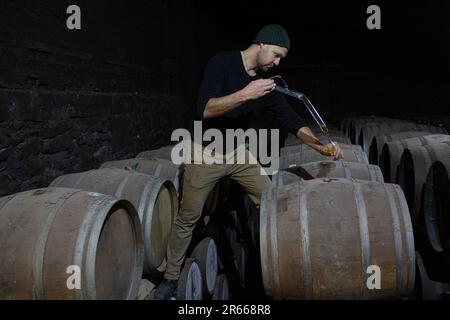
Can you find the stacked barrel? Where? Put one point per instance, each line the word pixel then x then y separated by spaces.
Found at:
pixel 326 223
pixel 98 234
pixel 373 225
pixel 416 157
pixel 64 243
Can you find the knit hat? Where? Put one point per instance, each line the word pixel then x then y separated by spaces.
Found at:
pixel 273 34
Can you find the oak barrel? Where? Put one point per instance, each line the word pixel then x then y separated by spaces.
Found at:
pixel 155 200
pixel 309 155
pixel 319 237
pixel 413 169
pixel 161 168
pixel 378 142
pixel 436 204
pixel 337 169
pixel 392 152
pixel 59 243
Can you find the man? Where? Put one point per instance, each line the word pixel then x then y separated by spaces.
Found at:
pixel 231 90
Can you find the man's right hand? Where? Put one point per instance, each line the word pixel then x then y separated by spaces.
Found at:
pixel 332 150
pixel 258 88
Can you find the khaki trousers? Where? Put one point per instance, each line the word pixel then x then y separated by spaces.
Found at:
pixel 198 182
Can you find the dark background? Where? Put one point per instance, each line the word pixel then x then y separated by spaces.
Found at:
pixel 70 100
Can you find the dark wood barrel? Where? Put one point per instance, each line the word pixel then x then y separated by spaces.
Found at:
pixel 161 168
pixel 319 237
pixel 310 155
pixel 47 234
pixel 252 214
pixel 221 289
pixel 234 221
pixel 190 281
pixel 205 254
pixel 343 126
pixel 371 130
pixel 436 203
pixel 357 123
pixel 240 257
pixel 338 137
pixel 337 169
pixel 354 124
pixel 378 142
pixel 413 169
pixel 392 152
pixel 425 288
pixel 155 200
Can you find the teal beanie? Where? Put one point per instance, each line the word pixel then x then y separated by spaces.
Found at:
pixel 273 34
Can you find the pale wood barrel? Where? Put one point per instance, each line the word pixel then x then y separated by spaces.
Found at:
pixel 50 234
pixel 155 200
pixel 161 168
pixel 292 158
pixel 338 169
pixel 303 147
pixel 319 237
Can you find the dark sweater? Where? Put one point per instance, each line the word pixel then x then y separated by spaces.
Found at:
pixel 225 74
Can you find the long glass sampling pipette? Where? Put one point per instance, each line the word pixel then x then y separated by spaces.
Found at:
pixel 284 89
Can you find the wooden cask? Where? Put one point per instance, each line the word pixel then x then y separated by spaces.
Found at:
pixel 50 236
pixel 319 237
pixel 155 200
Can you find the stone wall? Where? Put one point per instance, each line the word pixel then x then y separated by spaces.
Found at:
pixel 71 100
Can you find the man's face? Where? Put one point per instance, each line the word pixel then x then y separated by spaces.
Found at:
pixel 270 56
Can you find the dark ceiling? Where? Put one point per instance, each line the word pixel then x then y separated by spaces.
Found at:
pixel 414 38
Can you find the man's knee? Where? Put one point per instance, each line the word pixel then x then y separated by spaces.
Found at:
pixel 187 217
pixel 261 184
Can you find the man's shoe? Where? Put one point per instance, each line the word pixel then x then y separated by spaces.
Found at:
pixel 166 289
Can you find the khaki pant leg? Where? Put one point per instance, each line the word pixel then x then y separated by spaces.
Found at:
pixel 250 177
pixel 198 181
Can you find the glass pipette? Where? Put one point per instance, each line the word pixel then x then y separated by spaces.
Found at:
pixel 323 127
